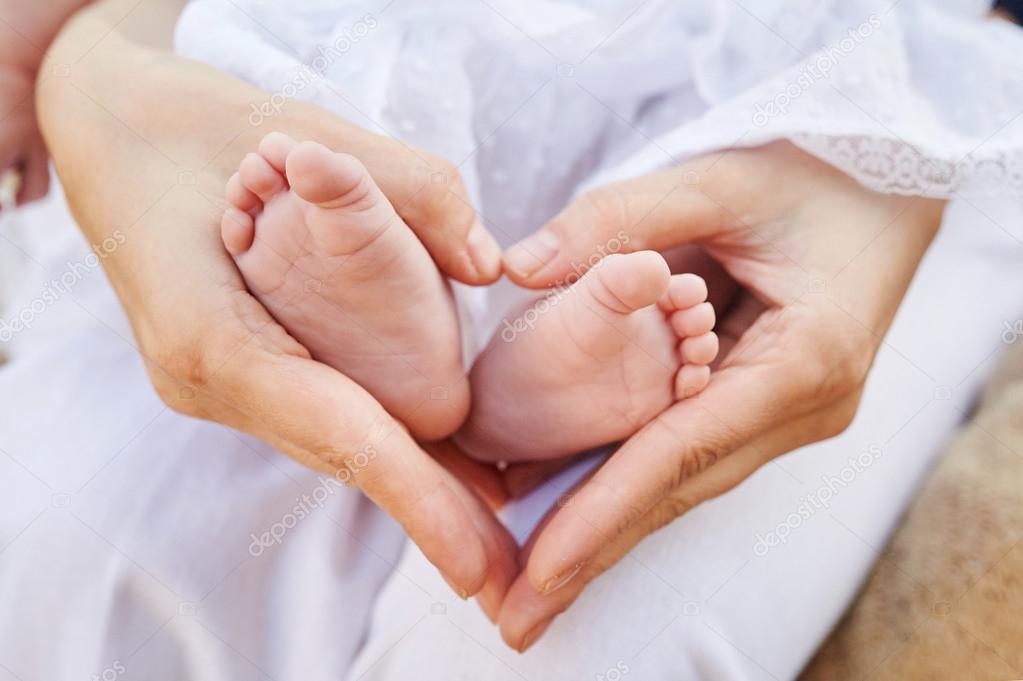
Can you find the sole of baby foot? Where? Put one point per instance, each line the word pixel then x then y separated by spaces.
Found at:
pixel 321 247
pixel 592 364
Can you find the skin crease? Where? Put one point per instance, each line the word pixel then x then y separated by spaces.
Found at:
pixel 771 223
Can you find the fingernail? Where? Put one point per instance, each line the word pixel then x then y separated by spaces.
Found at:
pixel 484 251
pixel 462 593
pixel 529 255
pixel 533 635
pixel 560 580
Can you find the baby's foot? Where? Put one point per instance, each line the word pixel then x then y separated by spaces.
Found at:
pixel 322 248
pixel 593 364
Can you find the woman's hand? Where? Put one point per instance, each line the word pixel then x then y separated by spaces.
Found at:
pixel 144 144
pixel 806 269
pixel 26 29
pixel 21 146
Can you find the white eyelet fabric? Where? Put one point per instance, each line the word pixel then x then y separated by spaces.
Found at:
pixel 533 98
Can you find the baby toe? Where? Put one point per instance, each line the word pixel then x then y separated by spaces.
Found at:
pixel 684 291
pixel 237 230
pixel 694 321
pixel 260 178
pixel 241 198
pixel 275 148
pixel 690 380
pixel 700 349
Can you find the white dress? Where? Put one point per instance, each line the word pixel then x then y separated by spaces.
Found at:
pixel 130 536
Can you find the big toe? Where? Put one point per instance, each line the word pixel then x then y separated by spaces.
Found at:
pixel 627 282
pixel 351 211
pixel 328 179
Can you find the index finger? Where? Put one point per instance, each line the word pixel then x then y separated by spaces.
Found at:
pixel 654 212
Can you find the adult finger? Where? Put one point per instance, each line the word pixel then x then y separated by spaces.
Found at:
pixel 655 212
pixel 499 545
pixel 483 478
pixel 10 153
pixel 35 175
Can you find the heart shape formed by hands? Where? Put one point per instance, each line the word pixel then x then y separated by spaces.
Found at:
pixel 770 224
pixel 802 321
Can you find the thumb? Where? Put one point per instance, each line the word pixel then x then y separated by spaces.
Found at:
pixel 326 421
pixel 436 205
pixel 654 212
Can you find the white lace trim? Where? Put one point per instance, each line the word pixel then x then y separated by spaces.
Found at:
pixel 895 167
